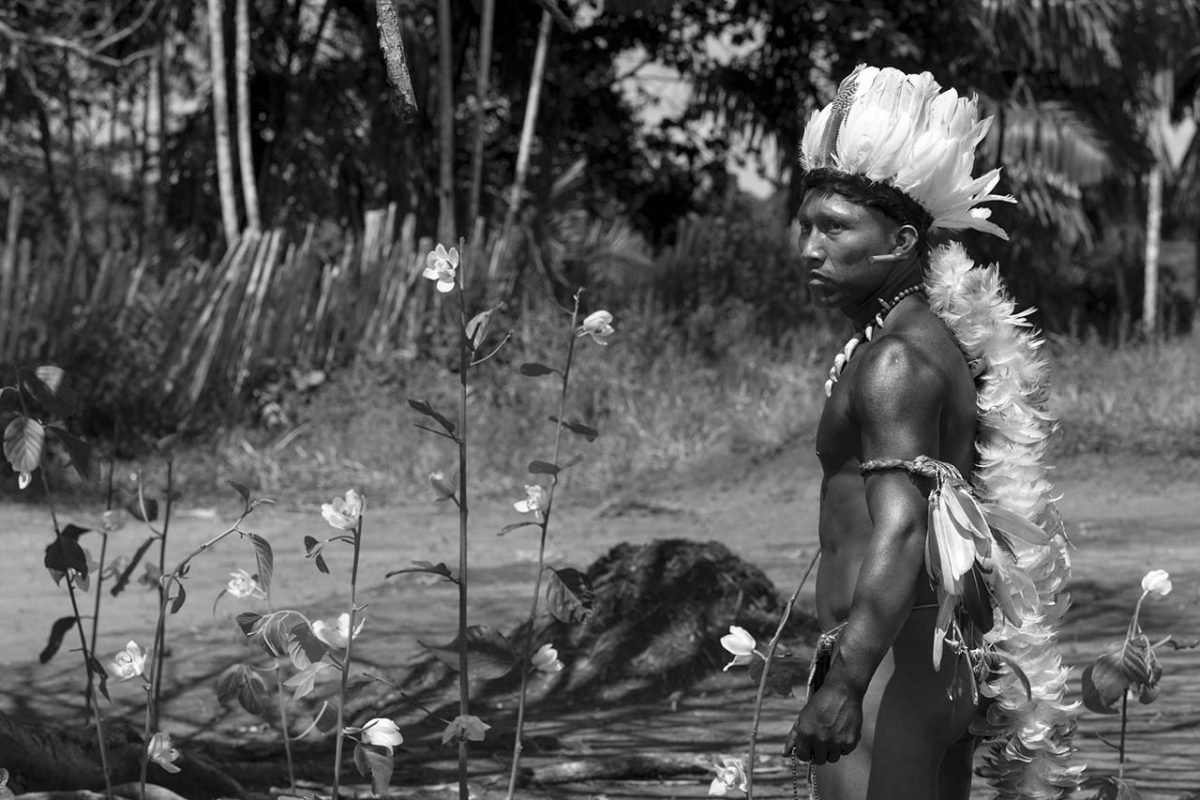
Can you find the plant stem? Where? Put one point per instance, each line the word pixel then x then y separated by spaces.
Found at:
pixel 1121 749
pixel 283 721
pixel 537 581
pixel 464 682
pixel 341 715
pixel 164 583
pixel 162 565
pixel 762 681
pixel 89 693
pixel 100 572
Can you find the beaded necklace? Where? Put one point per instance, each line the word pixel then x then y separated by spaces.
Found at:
pixel 843 358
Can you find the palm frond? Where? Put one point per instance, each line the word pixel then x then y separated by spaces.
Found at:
pixel 1050 136
pixel 1075 38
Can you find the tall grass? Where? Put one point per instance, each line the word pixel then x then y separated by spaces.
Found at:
pixel 1136 400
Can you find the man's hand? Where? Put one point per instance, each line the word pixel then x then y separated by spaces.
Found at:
pixel 829 726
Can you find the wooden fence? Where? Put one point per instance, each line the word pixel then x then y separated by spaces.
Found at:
pixel 267 300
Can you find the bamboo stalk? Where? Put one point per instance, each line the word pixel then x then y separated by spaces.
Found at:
pixel 8 267
pixel 251 337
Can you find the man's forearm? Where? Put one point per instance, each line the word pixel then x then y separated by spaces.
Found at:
pixel 883 598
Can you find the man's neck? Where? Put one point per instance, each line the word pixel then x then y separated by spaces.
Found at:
pixel 904 276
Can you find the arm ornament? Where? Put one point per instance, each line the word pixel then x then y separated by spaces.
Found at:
pixel 968 539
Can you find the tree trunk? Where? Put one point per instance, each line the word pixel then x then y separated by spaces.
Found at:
pixel 446 223
pixel 1153 240
pixel 245 150
pixel 220 101
pixel 153 171
pixel 482 81
pixel 526 144
pixel 404 101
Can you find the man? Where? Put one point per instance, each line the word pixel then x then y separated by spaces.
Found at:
pixel 921 581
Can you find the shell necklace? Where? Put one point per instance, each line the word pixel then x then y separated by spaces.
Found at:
pixel 843 357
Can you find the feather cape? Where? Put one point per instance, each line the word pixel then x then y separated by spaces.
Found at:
pixel 1029 727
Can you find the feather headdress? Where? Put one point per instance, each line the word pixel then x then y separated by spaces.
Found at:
pixel 903 131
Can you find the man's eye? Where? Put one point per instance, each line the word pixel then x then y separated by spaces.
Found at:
pixel 833 227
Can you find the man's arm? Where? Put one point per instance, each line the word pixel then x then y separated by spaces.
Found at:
pixel 896 401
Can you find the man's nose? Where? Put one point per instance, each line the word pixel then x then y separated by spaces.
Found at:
pixel 810 248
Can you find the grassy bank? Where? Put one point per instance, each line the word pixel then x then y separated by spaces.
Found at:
pixel 663 412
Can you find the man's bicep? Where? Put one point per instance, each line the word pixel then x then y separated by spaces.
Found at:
pixel 897 403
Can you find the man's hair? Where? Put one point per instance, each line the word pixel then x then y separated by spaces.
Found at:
pixel 893 203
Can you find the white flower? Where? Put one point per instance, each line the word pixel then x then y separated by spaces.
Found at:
pixel 336 633
pixel 23 480
pixel 441 266
pixel 470 728
pixel 114 520
pixel 741 644
pixel 242 585
pixel 546 659
pixel 598 325
pixel 382 732
pixel 129 663
pixel 1157 581
pixel 343 513
pixel 731 774
pixel 534 502
pixel 442 487
pixel 161 751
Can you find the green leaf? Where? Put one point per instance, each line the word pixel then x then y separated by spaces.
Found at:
pixel 1112 788
pixel 426 566
pixel 569 595
pixel 123 580
pixel 101 674
pixel 428 410
pixel 73 532
pixel 242 490
pixel 535 370
pixel 10 400
pixel 787 672
pixel 512 526
pixel 249 622
pixel 178 600
pixel 304 681
pixel 134 507
pixel 377 762
pixel 24 441
pixel 58 630
pixel 239 682
pixel 542 468
pixel 48 386
pixel 488 653
pixel 65 554
pixel 266 561
pixel 575 426
pixel 1103 684
pixel 477 327
pixel 79 451
pixel 304 648
pixel 327 719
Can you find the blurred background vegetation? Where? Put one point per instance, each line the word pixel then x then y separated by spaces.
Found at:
pixel 215 220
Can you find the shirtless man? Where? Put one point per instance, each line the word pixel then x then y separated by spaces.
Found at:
pixel 888 160
pixel 884 723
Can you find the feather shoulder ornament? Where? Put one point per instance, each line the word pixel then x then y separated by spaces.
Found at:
pixel 1028 721
pixel 902 130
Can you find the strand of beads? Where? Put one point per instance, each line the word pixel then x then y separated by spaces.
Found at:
pixel 865 335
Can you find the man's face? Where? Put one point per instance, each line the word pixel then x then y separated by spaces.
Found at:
pixel 837 239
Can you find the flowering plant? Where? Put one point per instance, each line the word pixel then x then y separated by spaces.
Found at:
pixel 1130 668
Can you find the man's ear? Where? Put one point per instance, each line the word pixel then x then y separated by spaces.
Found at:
pixel 904 241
